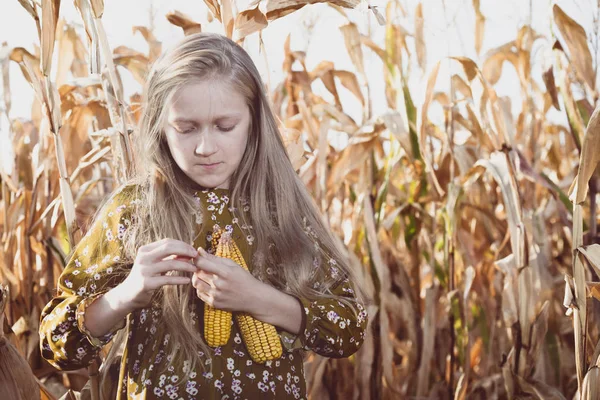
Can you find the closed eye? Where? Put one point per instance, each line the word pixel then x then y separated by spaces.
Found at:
pixel 221 128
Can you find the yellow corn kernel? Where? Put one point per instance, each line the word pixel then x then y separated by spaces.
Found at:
pixel 261 338
pixel 217 323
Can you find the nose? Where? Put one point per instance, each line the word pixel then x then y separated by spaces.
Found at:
pixel 205 146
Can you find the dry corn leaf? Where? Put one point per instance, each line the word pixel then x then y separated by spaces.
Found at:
pixel 576 41
pixel 279 8
pixel 44 392
pixel 539 390
pixel 590 157
pixel 539 330
pixel 367 41
pixel 5 52
pixel 29 6
pixel 67 37
pixel 214 7
pixel 429 330
pixel 380 18
pixel 424 146
pixel 350 82
pixel 155 46
pixel 248 22
pixel 346 124
pixel 353 46
pixel 50 9
pixel 85 10
pixel 591 384
pixel 548 77
pixel 420 37
pixel 579 284
pixel 459 84
pixel 594 288
pixel 97 8
pixel 348 160
pixel 385 294
pixel 292 140
pixel 461 388
pixel 322 149
pixel 29 65
pixel 328 79
pixel 592 254
pixel 494 61
pixel 181 20
pixel 479 25
pixel 16 378
pixel 565 84
pixel 469 66
pixel 498 166
pixel 397 126
pixel 227 17
pixel 133 61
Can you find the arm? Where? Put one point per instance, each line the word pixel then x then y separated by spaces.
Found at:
pixel 277 308
pixel 326 326
pixel 91 272
pixel 106 312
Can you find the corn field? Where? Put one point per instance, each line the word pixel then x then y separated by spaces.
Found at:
pixel 473 223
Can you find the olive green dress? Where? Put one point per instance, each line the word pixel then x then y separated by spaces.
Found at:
pixel 329 328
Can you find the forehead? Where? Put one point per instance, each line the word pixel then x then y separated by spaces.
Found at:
pixel 204 100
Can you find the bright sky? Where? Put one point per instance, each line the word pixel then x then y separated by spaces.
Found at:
pixel 449 31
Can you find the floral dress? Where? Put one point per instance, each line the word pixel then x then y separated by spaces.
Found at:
pixel 329 327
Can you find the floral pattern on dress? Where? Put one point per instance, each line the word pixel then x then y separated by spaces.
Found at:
pixel 329 328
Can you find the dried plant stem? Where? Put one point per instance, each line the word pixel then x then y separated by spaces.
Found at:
pixel 593 228
pixel 126 155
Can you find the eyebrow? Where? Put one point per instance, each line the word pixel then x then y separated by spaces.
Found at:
pixel 217 118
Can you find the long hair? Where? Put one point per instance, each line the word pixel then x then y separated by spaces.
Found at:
pixel 284 217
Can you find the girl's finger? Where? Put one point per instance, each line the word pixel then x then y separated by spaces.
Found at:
pixel 169 247
pixel 173 265
pixel 159 281
pixel 205 276
pixel 208 265
pixel 208 299
pixel 197 281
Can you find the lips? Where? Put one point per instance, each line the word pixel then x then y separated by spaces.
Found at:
pixel 209 164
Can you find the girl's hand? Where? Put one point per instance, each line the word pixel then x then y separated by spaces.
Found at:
pixel 151 264
pixel 224 284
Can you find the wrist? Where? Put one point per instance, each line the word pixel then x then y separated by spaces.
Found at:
pixel 116 301
pixel 259 306
pixel 277 308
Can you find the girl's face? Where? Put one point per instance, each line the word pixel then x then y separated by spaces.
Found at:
pixel 207 131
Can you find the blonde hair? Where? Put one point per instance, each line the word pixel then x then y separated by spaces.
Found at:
pixel 286 222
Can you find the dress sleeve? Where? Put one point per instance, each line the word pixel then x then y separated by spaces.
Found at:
pixel 329 327
pixel 92 270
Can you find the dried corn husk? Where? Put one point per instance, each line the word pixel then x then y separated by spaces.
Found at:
pixel 16 378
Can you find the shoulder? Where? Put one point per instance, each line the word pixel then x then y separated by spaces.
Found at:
pixel 125 195
pixel 121 202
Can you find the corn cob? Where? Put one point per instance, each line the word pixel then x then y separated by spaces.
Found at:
pixel 217 323
pixel 261 339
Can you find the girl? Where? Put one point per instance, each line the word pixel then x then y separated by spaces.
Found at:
pixel 210 161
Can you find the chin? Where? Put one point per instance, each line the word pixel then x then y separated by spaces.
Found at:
pixel 208 184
